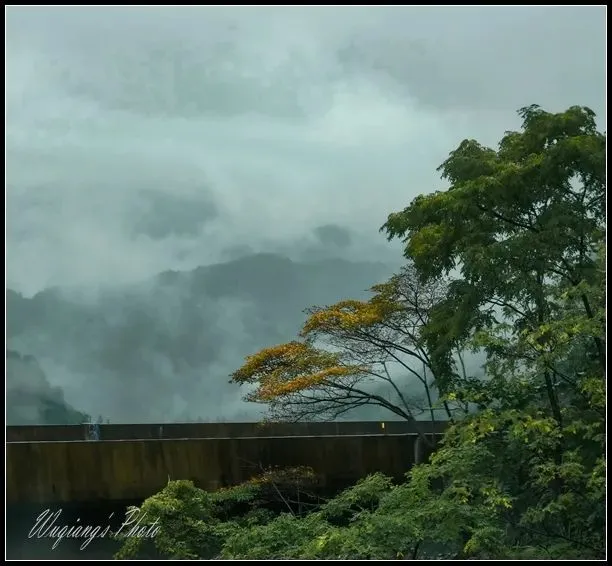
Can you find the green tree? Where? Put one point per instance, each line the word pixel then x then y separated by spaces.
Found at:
pixel 520 236
pixel 524 226
pixel 515 222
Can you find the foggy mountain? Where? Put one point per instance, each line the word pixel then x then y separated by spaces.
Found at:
pixel 247 150
pixel 162 350
pixel 30 398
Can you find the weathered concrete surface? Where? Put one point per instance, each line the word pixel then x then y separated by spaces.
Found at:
pixel 216 430
pixel 46 472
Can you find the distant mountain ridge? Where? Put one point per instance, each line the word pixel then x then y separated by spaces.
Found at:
pixel 162 349
pixel 30 398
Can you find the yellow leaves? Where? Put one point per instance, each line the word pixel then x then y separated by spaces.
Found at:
pixel 348 315
pixel 287 351
pixel 290 368
pixel 272 359
pixel 391 291
pixel 272 388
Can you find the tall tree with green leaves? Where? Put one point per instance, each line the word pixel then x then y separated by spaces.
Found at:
pixel 522 229
pixel 516 222
pixel 520 234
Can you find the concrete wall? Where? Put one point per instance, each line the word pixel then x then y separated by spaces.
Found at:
pixel 215 430
pixel 46 472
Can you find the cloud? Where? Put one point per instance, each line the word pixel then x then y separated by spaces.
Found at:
pixel 142 140
pixel 145 139
pixel 333 235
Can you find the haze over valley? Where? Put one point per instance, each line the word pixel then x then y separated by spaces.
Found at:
pixel 183 182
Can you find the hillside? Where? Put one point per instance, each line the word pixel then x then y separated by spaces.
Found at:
pixel 30 398
pixel 162 350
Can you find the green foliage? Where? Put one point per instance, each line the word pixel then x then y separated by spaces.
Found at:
pixel 193 523
pixel 529 214
pixel 523 476
pixel 187 523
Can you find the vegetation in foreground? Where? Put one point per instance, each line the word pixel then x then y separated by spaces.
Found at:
pixel 509 263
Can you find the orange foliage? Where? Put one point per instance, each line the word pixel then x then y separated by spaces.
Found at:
pixel 289 368
pixel 349 315
pixel 274 388
pixel 270 360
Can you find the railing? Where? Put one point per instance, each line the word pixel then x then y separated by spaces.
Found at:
pixel 50 433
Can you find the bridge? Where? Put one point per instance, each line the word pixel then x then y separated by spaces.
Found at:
pixel 114 462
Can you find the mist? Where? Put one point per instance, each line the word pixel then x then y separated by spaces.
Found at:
pixel 156 158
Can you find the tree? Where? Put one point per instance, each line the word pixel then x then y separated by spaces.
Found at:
pixel 520 236
pixel 351 354
pixel 192 524
pixel 518 223
pixel 525 227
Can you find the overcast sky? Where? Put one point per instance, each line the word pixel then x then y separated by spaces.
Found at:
pixel 143 139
